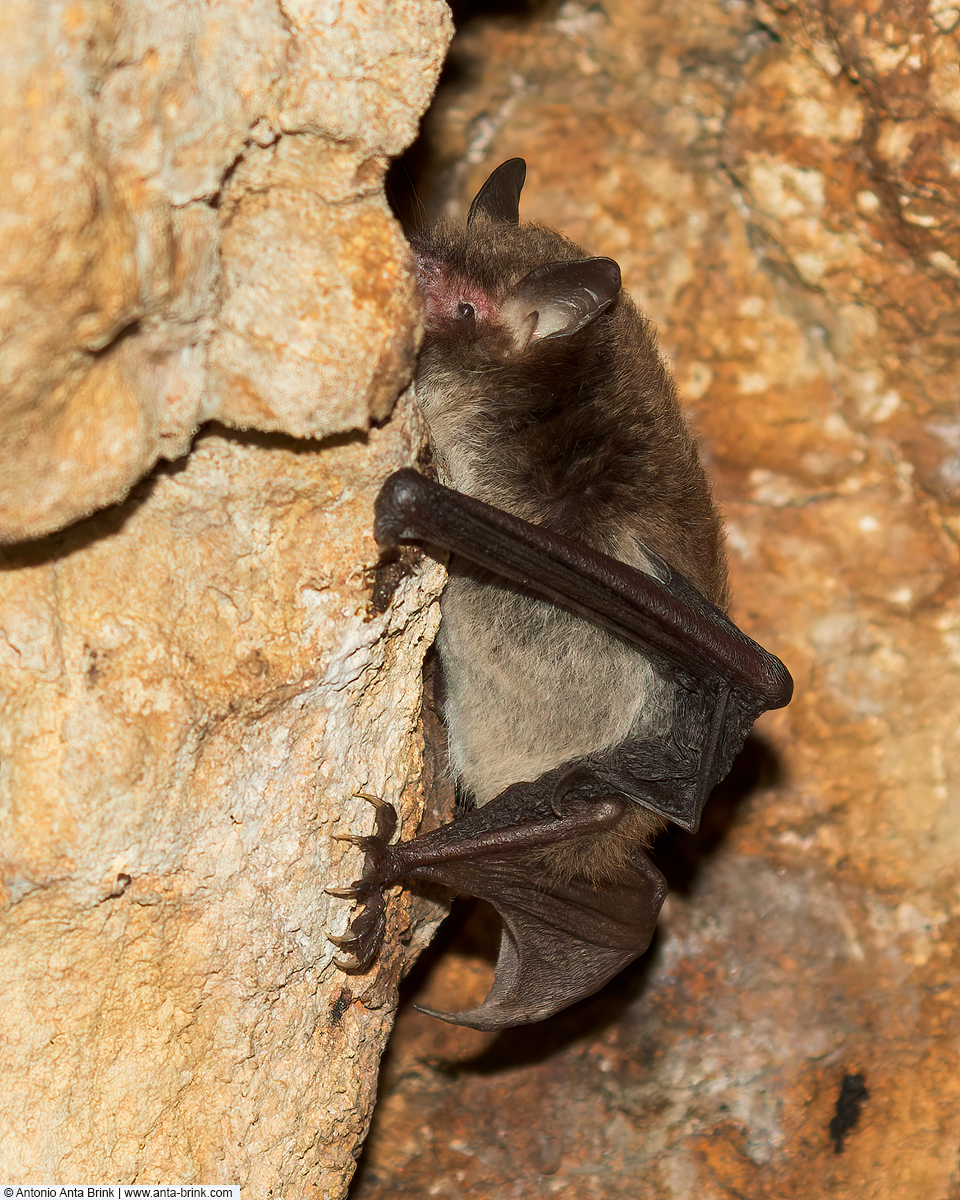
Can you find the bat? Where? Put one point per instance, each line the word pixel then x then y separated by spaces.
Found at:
pixel 593 687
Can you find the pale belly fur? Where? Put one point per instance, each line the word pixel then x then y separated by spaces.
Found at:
pixel 528 686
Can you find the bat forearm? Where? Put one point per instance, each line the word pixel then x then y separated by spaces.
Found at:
pixel 668 616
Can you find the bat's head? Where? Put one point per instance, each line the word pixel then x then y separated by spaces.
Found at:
pixel 509 307
pixel 503 286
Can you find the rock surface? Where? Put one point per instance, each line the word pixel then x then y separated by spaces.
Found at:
pixel 779 184
pixel 194 694
pixel 194 687
pixel 194 228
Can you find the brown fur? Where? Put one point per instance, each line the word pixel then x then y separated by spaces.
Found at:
pixel 604 857
pixel 582 434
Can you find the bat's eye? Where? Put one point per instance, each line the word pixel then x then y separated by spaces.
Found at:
pixel 466 312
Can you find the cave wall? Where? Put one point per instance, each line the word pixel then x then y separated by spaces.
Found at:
pixel 193 685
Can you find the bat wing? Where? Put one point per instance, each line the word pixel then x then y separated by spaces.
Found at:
pixel 562 943
pixel 563 938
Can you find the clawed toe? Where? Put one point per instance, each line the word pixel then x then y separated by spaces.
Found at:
pixel 375 846
pixel 345 893
pixel 385 817
pixel 365 934
pixel 365 842
pixel 377 801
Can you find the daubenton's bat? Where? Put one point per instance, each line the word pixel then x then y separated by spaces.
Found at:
pixel 593 687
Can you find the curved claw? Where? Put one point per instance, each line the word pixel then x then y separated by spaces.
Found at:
pixel 377 801
pixel 364 937
pixel 385 818
pixel 346 893
pixel 343 943
pixel 365 934
pixel 364 841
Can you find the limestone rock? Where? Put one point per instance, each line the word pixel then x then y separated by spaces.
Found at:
pixel 194 687
pixel 195 691
pixel 194 228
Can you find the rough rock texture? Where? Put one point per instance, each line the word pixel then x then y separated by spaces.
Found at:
pixel 193 684
pixel 194 692
pixel 780 185
pixel 193 227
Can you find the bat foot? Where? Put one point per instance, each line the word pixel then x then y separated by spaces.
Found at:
pixel 365 934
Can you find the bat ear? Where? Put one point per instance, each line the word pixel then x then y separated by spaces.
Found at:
pixel 556 301
pixel 499 198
